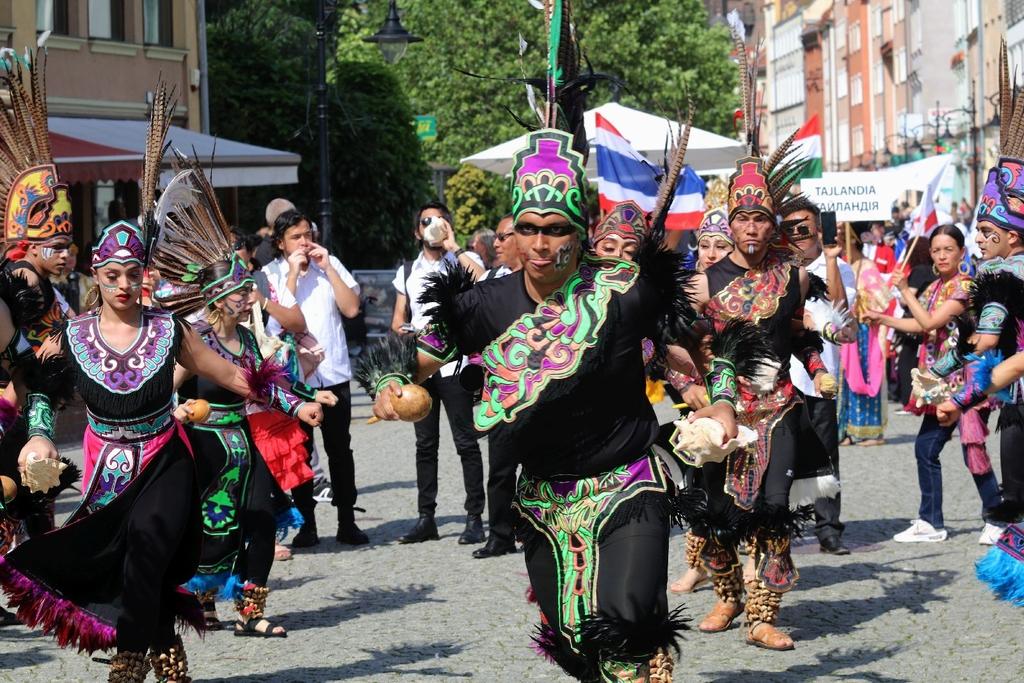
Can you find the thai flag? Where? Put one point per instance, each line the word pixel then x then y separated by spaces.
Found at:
pixel 623 173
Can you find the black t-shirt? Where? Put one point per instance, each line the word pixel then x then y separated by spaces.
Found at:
pixel 601 418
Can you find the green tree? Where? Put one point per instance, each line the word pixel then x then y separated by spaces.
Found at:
pixel 476 198
pixel 262 71
pixel 662 50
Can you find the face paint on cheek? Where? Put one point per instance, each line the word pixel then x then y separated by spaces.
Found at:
pixel 110 287
pixel 563 257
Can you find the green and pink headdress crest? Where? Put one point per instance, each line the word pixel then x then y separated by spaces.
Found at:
pixel 549 173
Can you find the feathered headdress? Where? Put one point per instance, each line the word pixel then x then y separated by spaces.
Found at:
pixel 38 206
pixel 548 174
pixel 1002 200
pixel 192 234
pixel 122 242
pixel 758 185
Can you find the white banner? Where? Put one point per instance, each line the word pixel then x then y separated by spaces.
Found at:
pixel 855 196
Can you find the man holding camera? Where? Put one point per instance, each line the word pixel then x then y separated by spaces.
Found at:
pixel 434 232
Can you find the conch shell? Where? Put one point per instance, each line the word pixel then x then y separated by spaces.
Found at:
pixel 927 389
pixel 700 441
pixel 42 474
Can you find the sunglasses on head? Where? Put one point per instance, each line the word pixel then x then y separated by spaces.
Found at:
pixel 557 230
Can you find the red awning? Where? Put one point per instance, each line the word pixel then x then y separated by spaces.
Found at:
pixel 81 161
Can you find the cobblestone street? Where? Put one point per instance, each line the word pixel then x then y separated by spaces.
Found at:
pixel 430 612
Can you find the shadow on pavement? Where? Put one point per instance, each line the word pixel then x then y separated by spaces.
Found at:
pixel 387 486
pixel 294 581
pixel 827 665
pixel 26 655
pixel 375 663
pixel 358 602
pixel 912 591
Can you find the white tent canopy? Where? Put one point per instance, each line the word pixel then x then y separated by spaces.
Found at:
pixel 707 153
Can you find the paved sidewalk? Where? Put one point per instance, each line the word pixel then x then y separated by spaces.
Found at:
pixel 429 612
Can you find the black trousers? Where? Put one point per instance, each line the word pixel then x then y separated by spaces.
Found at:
pixel 158 520
pixel 905 362
pixel 819 429
pixel 258 521
pixel 458 406
pixel 338 443
pixel 1011 452
pixel 501 486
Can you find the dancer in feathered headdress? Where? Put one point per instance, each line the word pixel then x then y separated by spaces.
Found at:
pixel 996 298
pixel 110 577
pixel 758 281
pixel 560 343
pixel 194 255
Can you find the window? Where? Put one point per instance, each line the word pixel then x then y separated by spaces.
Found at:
pixel 876 21
pixel 1014 12
pixel 900 65
pixel 844 142
pixel 858 141
pixel 916 38
pixel 106 19
pixel 878 79
pixel 878 134
pixel 840 34
pixel 856 90
pixel 841 84
pixel 898 10
pixel 52 15
pixel 158 22
pixel 855 36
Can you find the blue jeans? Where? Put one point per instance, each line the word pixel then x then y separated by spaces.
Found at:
pixel 930 440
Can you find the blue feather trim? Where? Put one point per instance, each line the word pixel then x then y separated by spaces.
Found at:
pixel 1003 574
pixel 982 366
pixel 289 518
pixel 232 589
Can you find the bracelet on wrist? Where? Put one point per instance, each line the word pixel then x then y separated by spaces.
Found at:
pixel 459 252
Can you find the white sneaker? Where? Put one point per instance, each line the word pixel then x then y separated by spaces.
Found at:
pixel 990 534
pixel 920 531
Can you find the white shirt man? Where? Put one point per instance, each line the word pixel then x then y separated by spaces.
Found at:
pixel 830 356
pixel 315 297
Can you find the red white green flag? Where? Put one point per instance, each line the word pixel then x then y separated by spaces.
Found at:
pixel 808 145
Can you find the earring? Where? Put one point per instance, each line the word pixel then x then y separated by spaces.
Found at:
pixel 964 268
pixel 935 271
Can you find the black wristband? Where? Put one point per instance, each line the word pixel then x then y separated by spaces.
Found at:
pixel 459 252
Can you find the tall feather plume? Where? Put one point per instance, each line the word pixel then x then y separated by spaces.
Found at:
pixel 566 86
pixel 24 134
pixel 667 189
pixel 748 82
pixel 193 234
pixel 1005 92
pixel 160 115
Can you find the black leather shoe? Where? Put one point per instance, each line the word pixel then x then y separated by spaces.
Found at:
pixel 425 530
pixel 495 548
pixel 351 534
pixel 833 546
pixel 474 531
pixel 307 537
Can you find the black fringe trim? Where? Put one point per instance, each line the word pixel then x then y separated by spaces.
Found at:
pixel 440 290
pixel 390 354
pixel 1001 287
pixel 27 303
pixel 1008 511
pixel 965 329
pixel 727 526
pixel 1010 416
pixel 745 345
pixel 817 289
pixel 644 506
pixel 579 666
pixel 52 377
pixel 607 637
pixel 808 339
pixel 666 271
pixel 777 521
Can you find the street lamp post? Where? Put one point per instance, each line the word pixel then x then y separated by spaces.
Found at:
pixel 393 40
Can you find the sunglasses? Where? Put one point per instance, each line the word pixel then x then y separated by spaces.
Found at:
pixel 428 220
pixel 501 237
pixel 558 230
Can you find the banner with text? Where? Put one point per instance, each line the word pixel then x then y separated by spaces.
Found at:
pixel 856 196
